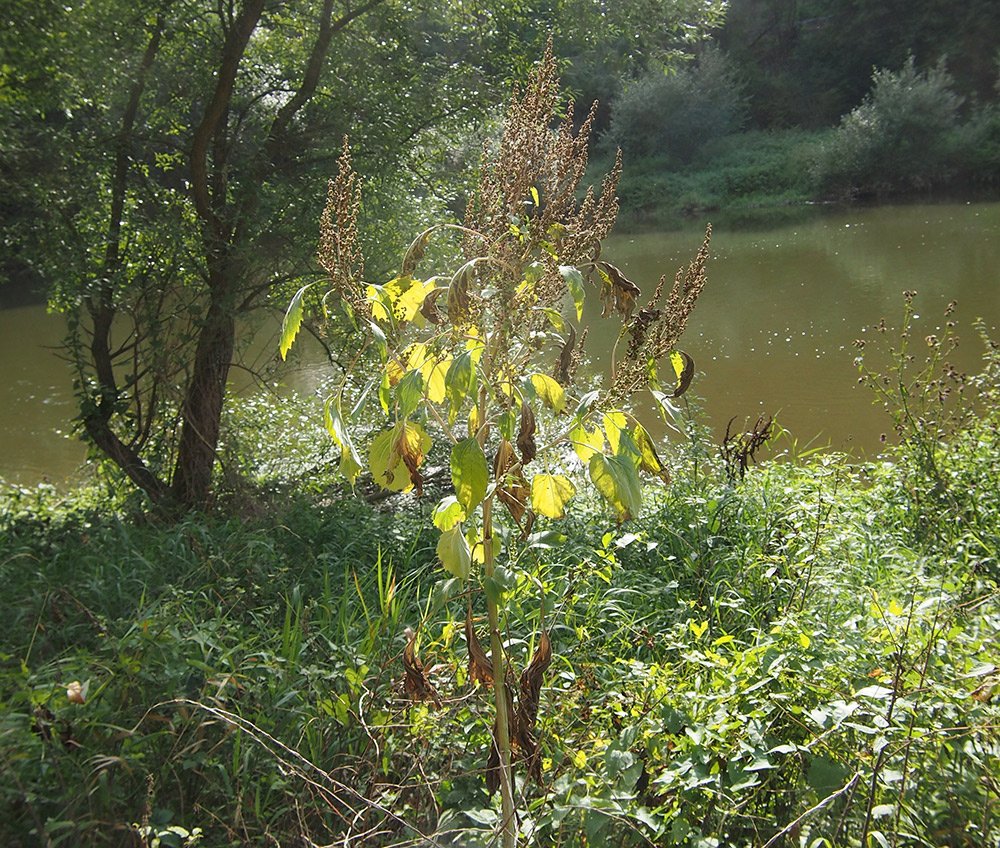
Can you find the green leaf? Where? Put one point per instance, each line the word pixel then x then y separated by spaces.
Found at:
pixel 409 392
pixel 292 322
pixel 454 552
pixel 458 383
pixel 550 493
pixel 470 473
pixel 350 460
pixel 577 290
pixel 614 423
pixel 396 454
pixel 616 478
pixel 448 513
pixel 549 391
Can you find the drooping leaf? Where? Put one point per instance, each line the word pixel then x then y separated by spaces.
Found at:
pixel 396 455
pixel 564 367
pixel 618 292
pixel 513 488
pixel 454 552
pixel 434 378
pixel 586 442
pixel 649 460
pixel 550 493
pixel 292 322
pixel 448 513
pixel 480 667
pixel 459 301
pixel 458 383
pixel 614 423
pixel 616 478
pixel 577 290
pixel 526 435
pixel 683 370
pixel 415 252
pixel 350 460
pixel 527 707
pixel 415 681
pixel 551 393
pixel 409 392
pixel 469 473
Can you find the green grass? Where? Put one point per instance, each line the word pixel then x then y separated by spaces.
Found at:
pixel 808 651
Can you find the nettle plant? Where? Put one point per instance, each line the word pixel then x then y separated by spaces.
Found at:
pixel 485 357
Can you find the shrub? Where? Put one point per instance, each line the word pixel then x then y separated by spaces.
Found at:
pixel 674 115
pixel 897 139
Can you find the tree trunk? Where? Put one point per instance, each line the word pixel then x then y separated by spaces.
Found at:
pixel 202 411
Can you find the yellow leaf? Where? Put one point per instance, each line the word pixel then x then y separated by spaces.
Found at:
pixel 549 391
pixel 895 608
pixel 550 493
pixel 614 423
pixel 804 640
pixel 586 442
pixel 454 553
pixel 698 629
pixel 434 373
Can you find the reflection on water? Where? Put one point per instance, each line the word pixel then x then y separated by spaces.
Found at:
pixel 772 333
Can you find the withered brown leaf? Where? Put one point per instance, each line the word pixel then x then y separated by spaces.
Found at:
pixel 618 292
pixel 513 489
pixel 415 681
pixel 527 707
pixel 526 435
pixel 480 667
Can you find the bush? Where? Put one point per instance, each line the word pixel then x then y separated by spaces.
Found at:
pixel 673 116
pixel 898 138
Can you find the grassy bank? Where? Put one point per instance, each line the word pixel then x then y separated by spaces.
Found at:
pixel 806 656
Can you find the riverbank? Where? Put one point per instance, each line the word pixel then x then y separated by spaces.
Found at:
pixel 762 179
pixel 812 645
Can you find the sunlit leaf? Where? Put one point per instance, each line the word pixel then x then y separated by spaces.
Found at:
pixel 550 493
pixel 586 442
pixel 415 252
pixel 469 473
pixel 618 292
pixel 409 392
pixel 396 455
pixel 534 196
pixel 617 479
pixel 551 393
pixel 292 322
pixel 577 290
pixel 526 435
pixel 555 318
pixel 448 513
pixel 614 423
pixel 434 378
pixel 683 370
pixel 350 460
pixel 649 460
pixel 458 383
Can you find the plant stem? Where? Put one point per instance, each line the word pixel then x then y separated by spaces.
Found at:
pixel 499 662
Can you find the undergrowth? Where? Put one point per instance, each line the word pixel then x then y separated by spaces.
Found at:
pixel 806 657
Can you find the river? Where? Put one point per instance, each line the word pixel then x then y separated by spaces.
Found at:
pixel 773 332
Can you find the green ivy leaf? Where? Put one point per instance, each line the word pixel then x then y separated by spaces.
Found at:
pixel 469 473
pixel 292 322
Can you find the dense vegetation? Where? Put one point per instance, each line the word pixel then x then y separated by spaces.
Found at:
pixel 805 656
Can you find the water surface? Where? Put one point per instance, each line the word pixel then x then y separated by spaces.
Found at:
pixel 772 334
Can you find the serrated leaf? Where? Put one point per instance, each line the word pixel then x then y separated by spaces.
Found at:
pixel 550 392
pixel 550 493
pixel 586 442
pixel 350 460
pixel 574 283
pixel 448 513
pixel 292 322
pixel 616 478
pixel 469 473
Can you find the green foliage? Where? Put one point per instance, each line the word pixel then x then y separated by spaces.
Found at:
pixel 897 139
pixel 675 115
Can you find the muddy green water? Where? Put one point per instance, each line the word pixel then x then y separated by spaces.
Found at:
pixel 772 334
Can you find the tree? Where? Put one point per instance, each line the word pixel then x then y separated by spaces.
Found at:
pixel 186 142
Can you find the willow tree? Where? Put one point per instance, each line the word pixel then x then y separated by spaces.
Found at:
pixel 484 357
